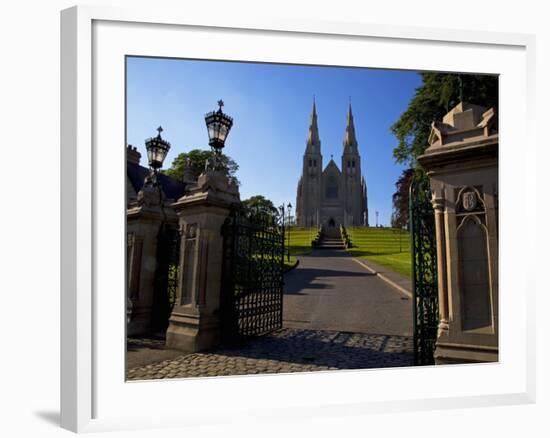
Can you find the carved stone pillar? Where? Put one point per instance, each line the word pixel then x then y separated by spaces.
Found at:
pixel 438 202
pixel 143 223
pixel 195 320
pixel 463 168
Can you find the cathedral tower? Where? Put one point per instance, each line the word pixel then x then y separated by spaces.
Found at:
pixel 331 197
pixel 308 196
pixel 353 183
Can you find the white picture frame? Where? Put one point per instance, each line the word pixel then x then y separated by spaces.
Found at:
pixel 94 396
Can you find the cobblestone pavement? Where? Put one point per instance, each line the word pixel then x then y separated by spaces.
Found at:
pixel 284 351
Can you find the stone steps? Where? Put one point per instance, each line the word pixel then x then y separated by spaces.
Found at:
pixel 331 239
pixel 331 243
pixel 331 233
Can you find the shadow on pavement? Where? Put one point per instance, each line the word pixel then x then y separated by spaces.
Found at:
pixel 145 350
pixel 338 350
pixel 300 279
pixel 328 253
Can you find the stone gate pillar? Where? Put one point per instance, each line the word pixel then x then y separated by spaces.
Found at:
pixel 462 163
pixel 144 220
pixel 195 322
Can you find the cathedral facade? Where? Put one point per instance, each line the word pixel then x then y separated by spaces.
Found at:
pixel 331 196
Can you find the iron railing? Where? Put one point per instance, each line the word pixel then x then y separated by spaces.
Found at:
pixel 166 277
pixel 253 266
pixel 424 270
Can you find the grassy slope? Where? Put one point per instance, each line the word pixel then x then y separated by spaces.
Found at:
pixel 300 242
pixel 381 245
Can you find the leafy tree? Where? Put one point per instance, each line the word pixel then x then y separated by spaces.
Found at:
pixel 438 94
pixel 400 216
pixel 197 160
pixel 260 208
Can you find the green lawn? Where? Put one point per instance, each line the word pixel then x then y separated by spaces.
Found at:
pixel 300 239
pixel 300 242
pixel 382 246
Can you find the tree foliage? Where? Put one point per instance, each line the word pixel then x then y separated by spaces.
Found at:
pixel 437 95
pixel 400 216
pixel 197 161
pixel 260 208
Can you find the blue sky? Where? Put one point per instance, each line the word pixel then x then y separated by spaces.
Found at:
pixel 271 107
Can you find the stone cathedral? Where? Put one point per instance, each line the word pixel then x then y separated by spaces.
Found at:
pixel 331 196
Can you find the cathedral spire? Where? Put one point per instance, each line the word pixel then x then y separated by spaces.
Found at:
pixel 349 136
pixel 313 136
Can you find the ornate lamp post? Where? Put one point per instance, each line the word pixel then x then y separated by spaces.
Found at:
pixel 282 210
pixel 218 125
pixel 283 225
pixel 157 149
pixel 289 208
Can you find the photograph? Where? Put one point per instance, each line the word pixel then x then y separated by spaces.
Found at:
pixel 287 218
pixel 275 219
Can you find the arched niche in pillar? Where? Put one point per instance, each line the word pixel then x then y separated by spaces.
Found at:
pixel 474 285
pixel 189 261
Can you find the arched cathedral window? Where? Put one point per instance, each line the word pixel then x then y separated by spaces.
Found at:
pixel 331 190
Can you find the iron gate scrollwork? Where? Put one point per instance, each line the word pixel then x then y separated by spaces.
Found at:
pixel 424 270
pixel 166 277
pixel 253 262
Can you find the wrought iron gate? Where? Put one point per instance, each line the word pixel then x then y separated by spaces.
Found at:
pixel 253 262
pixel 166 277
pixel 424 270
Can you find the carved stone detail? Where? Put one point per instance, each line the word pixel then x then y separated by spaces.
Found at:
pixel 149 195
pixel 469 201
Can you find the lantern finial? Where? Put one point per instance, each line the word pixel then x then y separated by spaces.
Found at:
pixel 157 149
pixel 218 125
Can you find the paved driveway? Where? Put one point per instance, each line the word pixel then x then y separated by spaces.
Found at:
pixel 330 290
pixel 336 316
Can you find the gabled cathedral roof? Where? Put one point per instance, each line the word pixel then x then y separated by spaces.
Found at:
pixel 331 166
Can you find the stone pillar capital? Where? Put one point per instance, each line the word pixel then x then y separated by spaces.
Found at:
pixel 438 200
pixel 212 188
